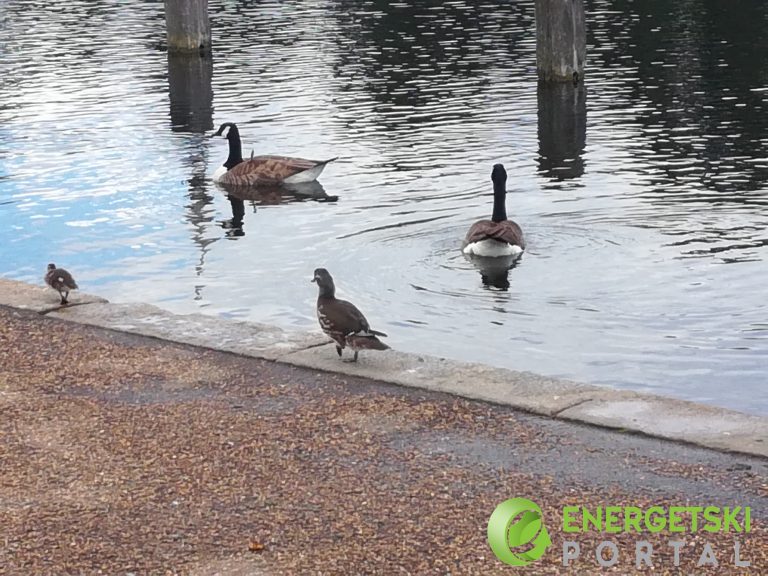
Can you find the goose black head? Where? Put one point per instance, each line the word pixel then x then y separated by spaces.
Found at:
pixel 499 175
pixel 235 148
pixel 232 134
pixel 324 282
pixel 51 266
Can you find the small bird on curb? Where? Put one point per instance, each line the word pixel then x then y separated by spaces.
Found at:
pixel 342 321
pixel 61 281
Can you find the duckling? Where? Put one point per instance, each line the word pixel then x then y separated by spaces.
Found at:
pixel 262 169
pixel 61 281
pixel 498 236
pixel 342 321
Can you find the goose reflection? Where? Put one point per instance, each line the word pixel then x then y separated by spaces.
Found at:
pixel 267 195
pixel 234 226
pixel 494 272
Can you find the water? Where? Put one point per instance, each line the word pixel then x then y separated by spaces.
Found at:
pixel 643 199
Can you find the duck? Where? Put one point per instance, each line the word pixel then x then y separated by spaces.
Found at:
pixel 342 321
pixel 497 237
pixel 262 169
pixel 61 281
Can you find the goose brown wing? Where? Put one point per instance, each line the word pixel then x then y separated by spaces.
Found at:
pixel 266 169
pixel 505 231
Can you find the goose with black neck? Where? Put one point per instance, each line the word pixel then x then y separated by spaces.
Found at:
pixel 498 237
pixel 262 169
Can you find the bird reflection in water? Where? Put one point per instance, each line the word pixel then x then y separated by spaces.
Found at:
pixel 234 226
pixel 267 195
pixel 494 272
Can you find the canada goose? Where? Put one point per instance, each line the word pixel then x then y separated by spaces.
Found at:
pixel 498 236
pixel 262 169
pixel 341 320
pixel 61 281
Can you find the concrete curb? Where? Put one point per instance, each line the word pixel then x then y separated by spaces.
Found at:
pixel 248 339
pixel 40 299
pixel 679 420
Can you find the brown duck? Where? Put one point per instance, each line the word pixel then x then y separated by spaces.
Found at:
pixel 61 281
pixel 342 321
pixel 262 169
pixel 498 236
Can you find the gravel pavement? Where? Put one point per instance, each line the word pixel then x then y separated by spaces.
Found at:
pixel 122 454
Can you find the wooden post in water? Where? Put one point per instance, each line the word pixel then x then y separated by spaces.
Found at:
pixel 187 26
pixel 561 40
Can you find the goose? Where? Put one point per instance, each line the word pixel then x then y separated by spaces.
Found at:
pixel 262 169
pixel 498 236
pixel 61 281
pixel 341 320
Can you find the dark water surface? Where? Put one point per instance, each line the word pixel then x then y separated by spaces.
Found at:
pixel 644 197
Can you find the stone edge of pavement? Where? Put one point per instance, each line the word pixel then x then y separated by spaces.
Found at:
pixel 663 417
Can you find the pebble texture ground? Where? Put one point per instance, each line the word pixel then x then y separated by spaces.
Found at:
pixel 121 454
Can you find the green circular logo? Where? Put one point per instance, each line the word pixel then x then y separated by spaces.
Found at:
pixel 516 533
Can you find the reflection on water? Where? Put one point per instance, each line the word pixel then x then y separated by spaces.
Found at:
pixel 267 195
pixel 272 194
pixel 234 226
pixel 494 272
pixel 190 92
pixel 562 115
pixel 642 194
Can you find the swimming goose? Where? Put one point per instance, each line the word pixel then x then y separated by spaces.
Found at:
pixel 342 321
pixel 498 236
pixel 262 169
pixel 61 281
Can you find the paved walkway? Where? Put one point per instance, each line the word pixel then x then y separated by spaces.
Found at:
pixel 123 454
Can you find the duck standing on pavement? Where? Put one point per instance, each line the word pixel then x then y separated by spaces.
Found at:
pixel 342 321
pixel 61 281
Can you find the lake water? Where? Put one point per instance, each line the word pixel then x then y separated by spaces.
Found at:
pixel 643 197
